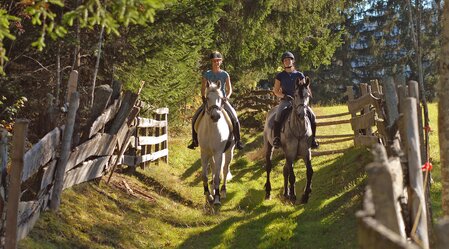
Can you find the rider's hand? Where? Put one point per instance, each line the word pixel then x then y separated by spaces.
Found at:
pixel 225 99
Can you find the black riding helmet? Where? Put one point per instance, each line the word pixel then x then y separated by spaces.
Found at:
pixel 287 55
pixel 215 55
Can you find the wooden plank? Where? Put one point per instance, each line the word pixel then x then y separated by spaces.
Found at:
pixel 152 156
pixel 391 100
pixel 148 122
pixel 65 152
pixel 85 172
pixel 124 111
pixel 381 183
pixel 48 175
pixel 105 117
pixel 41 153
pixel 29 213
pixel 335 136
pixel 373 235
pixel 364 121
pixel 101 145
pixel 365 140
pixel 419 214
pixel 357 105
pixel 121 135
pixel 20 133
pixel 71 85
pixel 441 234
pixel 328 152
pixel 128 160
pixel 163 110
pixel 333 115
pixel 336 122
pixel 152 140
pixel 337 140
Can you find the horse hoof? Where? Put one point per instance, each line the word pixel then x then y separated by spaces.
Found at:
pixel 209 198
pixel 293 198
pixel 217 201
pixel 223 194
pixel 267 197
pixel 304 199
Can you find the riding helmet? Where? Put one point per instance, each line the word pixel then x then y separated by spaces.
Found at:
pixel 215 55
pixel 287 55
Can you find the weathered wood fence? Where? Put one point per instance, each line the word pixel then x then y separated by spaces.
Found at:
pixel 35 180
pixel 396 206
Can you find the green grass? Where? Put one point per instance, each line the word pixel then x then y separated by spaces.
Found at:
pixel 173 214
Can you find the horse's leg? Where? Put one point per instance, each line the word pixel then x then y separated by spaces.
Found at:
pixel 226 172
pixel 308 188
pixel 205 167
pixel 218 164
pixel 292 180
pixel 268 166
pixel 287 172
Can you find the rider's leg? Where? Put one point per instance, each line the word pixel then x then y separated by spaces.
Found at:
pixel 312 118
pixel 283 105
pixel 194 135
pixel 235 122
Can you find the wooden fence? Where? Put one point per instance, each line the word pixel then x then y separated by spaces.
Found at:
pixel 396 202
pixel 36 178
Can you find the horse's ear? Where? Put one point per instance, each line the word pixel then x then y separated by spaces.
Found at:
pixel 307 81
pixel 218 84
pixel 207 83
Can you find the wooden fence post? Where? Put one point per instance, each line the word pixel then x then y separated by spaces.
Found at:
pixel 441 234
pixel 3 149
pixel 419 214
pixel 65 152
pixel 14 191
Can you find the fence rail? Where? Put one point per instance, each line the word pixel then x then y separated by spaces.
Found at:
pixel 105 140
pixel 395 212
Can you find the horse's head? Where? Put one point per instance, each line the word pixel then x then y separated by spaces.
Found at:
pixel 302 95
pixel 214 101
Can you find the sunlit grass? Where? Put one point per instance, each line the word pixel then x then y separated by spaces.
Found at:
pixel 175 214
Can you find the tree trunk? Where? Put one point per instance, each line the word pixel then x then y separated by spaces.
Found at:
pixel 443 105
pixel 97 64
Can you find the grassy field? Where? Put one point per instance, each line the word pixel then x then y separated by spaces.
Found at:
pixel 167 207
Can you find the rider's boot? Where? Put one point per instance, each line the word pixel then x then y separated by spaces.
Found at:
pixel 277 134
pixel 238 142
pixel 194 143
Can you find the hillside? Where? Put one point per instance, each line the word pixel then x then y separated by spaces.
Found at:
pixel 163 206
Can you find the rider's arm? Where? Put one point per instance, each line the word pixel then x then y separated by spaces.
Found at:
pixel 277 89
pixel 203 87
pixel 228 88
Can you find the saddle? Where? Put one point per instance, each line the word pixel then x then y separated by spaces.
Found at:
pixel 285 113
pixel 226 116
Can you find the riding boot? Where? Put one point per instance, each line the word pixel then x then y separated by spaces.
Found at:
pixel 194 143
pixel 314 143
pixel 236 131
pixel 277 134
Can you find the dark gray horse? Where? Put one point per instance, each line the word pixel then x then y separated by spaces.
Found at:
pixel 295 139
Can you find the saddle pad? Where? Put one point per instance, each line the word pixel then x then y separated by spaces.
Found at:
pixel 226 116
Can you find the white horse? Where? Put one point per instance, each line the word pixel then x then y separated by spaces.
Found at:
pixel 216 142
